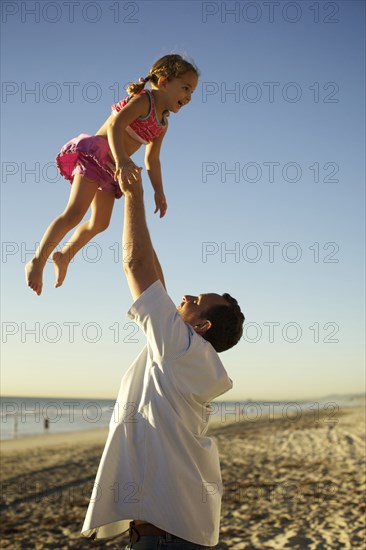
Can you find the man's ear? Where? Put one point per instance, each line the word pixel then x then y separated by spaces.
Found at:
pixel 202 327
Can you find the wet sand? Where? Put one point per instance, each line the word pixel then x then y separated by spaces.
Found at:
pixel 289 483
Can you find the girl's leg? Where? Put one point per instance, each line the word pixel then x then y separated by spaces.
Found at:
pixel 102 206
pixel 81 195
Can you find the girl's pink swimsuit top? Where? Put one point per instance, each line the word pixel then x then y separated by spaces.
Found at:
pixel 143 129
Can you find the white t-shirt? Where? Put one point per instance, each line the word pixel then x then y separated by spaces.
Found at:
pixel 158 465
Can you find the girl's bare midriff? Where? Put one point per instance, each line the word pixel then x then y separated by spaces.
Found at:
pixel 130 144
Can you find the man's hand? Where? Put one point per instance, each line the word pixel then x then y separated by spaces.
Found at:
pixel 127 173
pixel 160 203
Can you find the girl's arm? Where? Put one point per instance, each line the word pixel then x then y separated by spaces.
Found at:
pixel 136 107
pixel 153 168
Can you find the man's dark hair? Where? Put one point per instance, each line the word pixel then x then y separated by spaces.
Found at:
pixel 227 324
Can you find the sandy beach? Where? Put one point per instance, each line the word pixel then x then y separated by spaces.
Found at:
pixel 289 482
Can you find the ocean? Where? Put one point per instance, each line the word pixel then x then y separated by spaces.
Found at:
pixel 27 416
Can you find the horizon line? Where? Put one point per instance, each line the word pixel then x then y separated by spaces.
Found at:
pixel 248 399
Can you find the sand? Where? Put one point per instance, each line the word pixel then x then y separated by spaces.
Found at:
pixel 289 483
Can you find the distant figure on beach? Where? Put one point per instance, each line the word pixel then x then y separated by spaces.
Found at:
pixel 95 164
pixel 159 476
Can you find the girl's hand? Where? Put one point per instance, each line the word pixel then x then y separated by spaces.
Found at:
pixel 160 203
pixel 127 172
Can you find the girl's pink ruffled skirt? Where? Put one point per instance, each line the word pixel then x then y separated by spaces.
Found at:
pixel 88 156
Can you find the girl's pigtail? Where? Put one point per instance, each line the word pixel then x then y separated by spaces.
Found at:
pixel 137 87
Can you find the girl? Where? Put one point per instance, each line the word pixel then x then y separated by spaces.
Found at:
pixel 96 164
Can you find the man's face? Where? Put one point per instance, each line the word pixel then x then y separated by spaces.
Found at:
pixel 192 308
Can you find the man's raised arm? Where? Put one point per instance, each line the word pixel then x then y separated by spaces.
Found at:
pixel 140 263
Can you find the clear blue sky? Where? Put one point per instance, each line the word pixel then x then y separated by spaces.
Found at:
pixel 266 162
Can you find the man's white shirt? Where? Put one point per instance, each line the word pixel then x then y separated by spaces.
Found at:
pixel 158 465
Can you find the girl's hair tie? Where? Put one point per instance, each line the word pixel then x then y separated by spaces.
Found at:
pixel 143 80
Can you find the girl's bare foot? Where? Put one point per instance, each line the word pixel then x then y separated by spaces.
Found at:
pixel 33 275
pixel 61 264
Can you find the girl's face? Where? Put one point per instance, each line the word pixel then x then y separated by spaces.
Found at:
pixel 178 92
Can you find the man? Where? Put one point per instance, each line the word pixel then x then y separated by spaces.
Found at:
pixel 159 475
